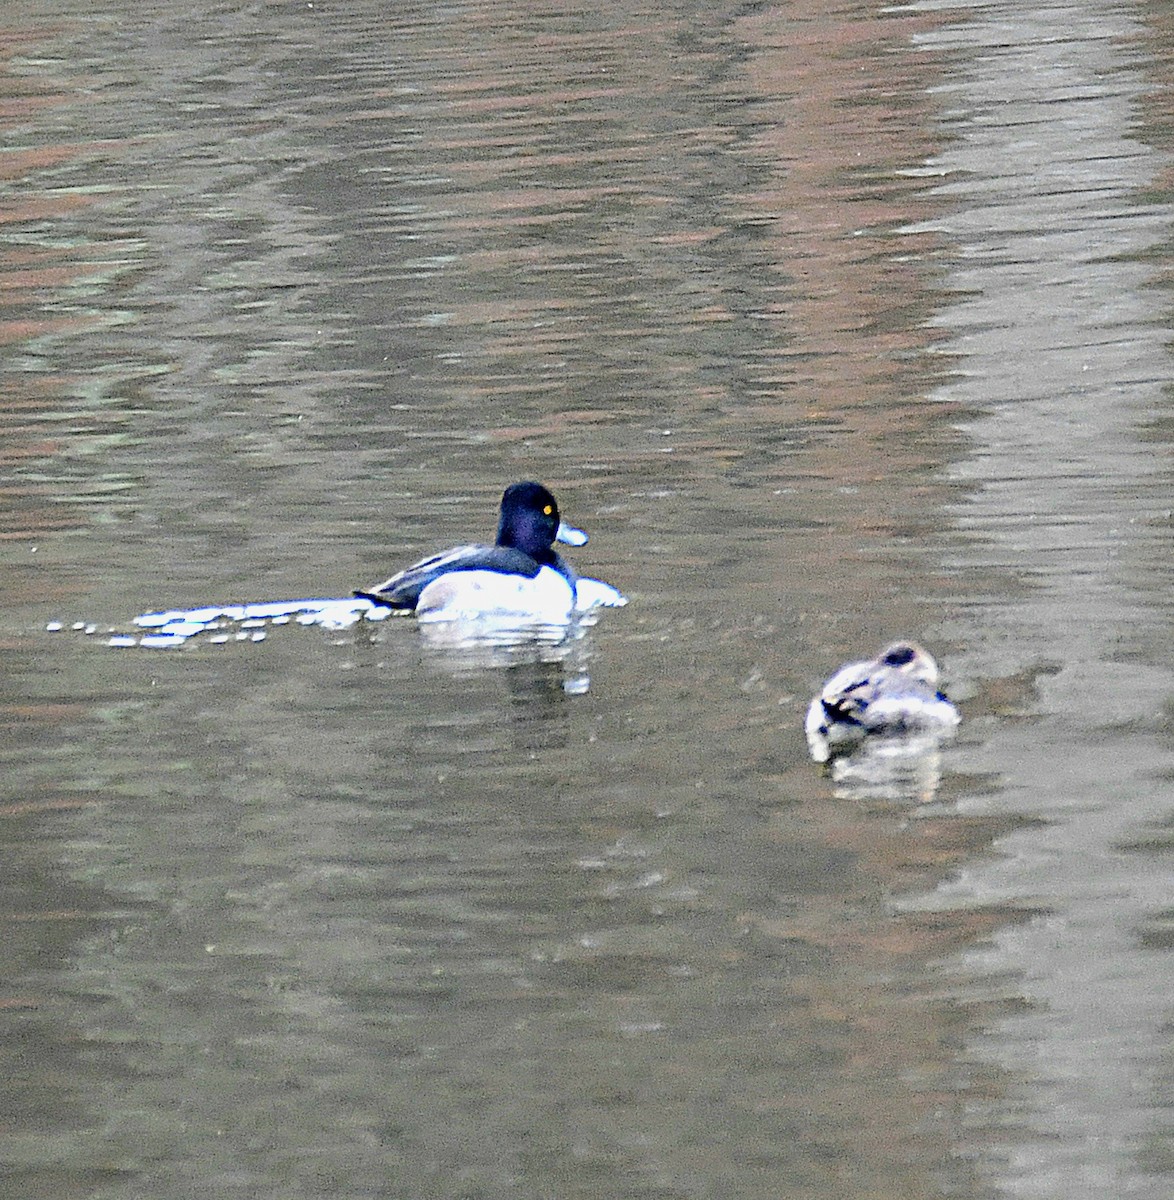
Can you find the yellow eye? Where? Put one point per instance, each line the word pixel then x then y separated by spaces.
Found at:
pixel 548 510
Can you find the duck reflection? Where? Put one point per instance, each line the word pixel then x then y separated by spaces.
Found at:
pixel 541 667
pixel 899 770
pixel 541 672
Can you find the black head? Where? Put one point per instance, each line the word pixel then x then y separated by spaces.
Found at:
pixel 899 655
pixel 529 519
pixel 911 661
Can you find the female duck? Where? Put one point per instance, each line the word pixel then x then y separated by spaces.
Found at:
pixel 894 694
pixel 520 577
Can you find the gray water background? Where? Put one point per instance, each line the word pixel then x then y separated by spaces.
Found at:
pixel 830 324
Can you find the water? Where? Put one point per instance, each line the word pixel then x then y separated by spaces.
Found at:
pixel 830 325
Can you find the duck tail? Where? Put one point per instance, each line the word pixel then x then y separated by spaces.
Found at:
pixel 375 598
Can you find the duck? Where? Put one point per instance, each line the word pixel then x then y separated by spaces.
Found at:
pixel 520 577
pixel 895 694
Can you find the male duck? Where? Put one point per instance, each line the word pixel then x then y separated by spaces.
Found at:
pixel 894 694
pixel 521 577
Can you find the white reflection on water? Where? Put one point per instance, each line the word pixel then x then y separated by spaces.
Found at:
pixel 1062 359
pixel 494 644
pixel 891 769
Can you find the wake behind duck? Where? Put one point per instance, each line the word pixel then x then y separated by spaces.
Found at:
pixel 515 591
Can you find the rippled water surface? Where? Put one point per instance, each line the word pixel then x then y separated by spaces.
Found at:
pixel 830 324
